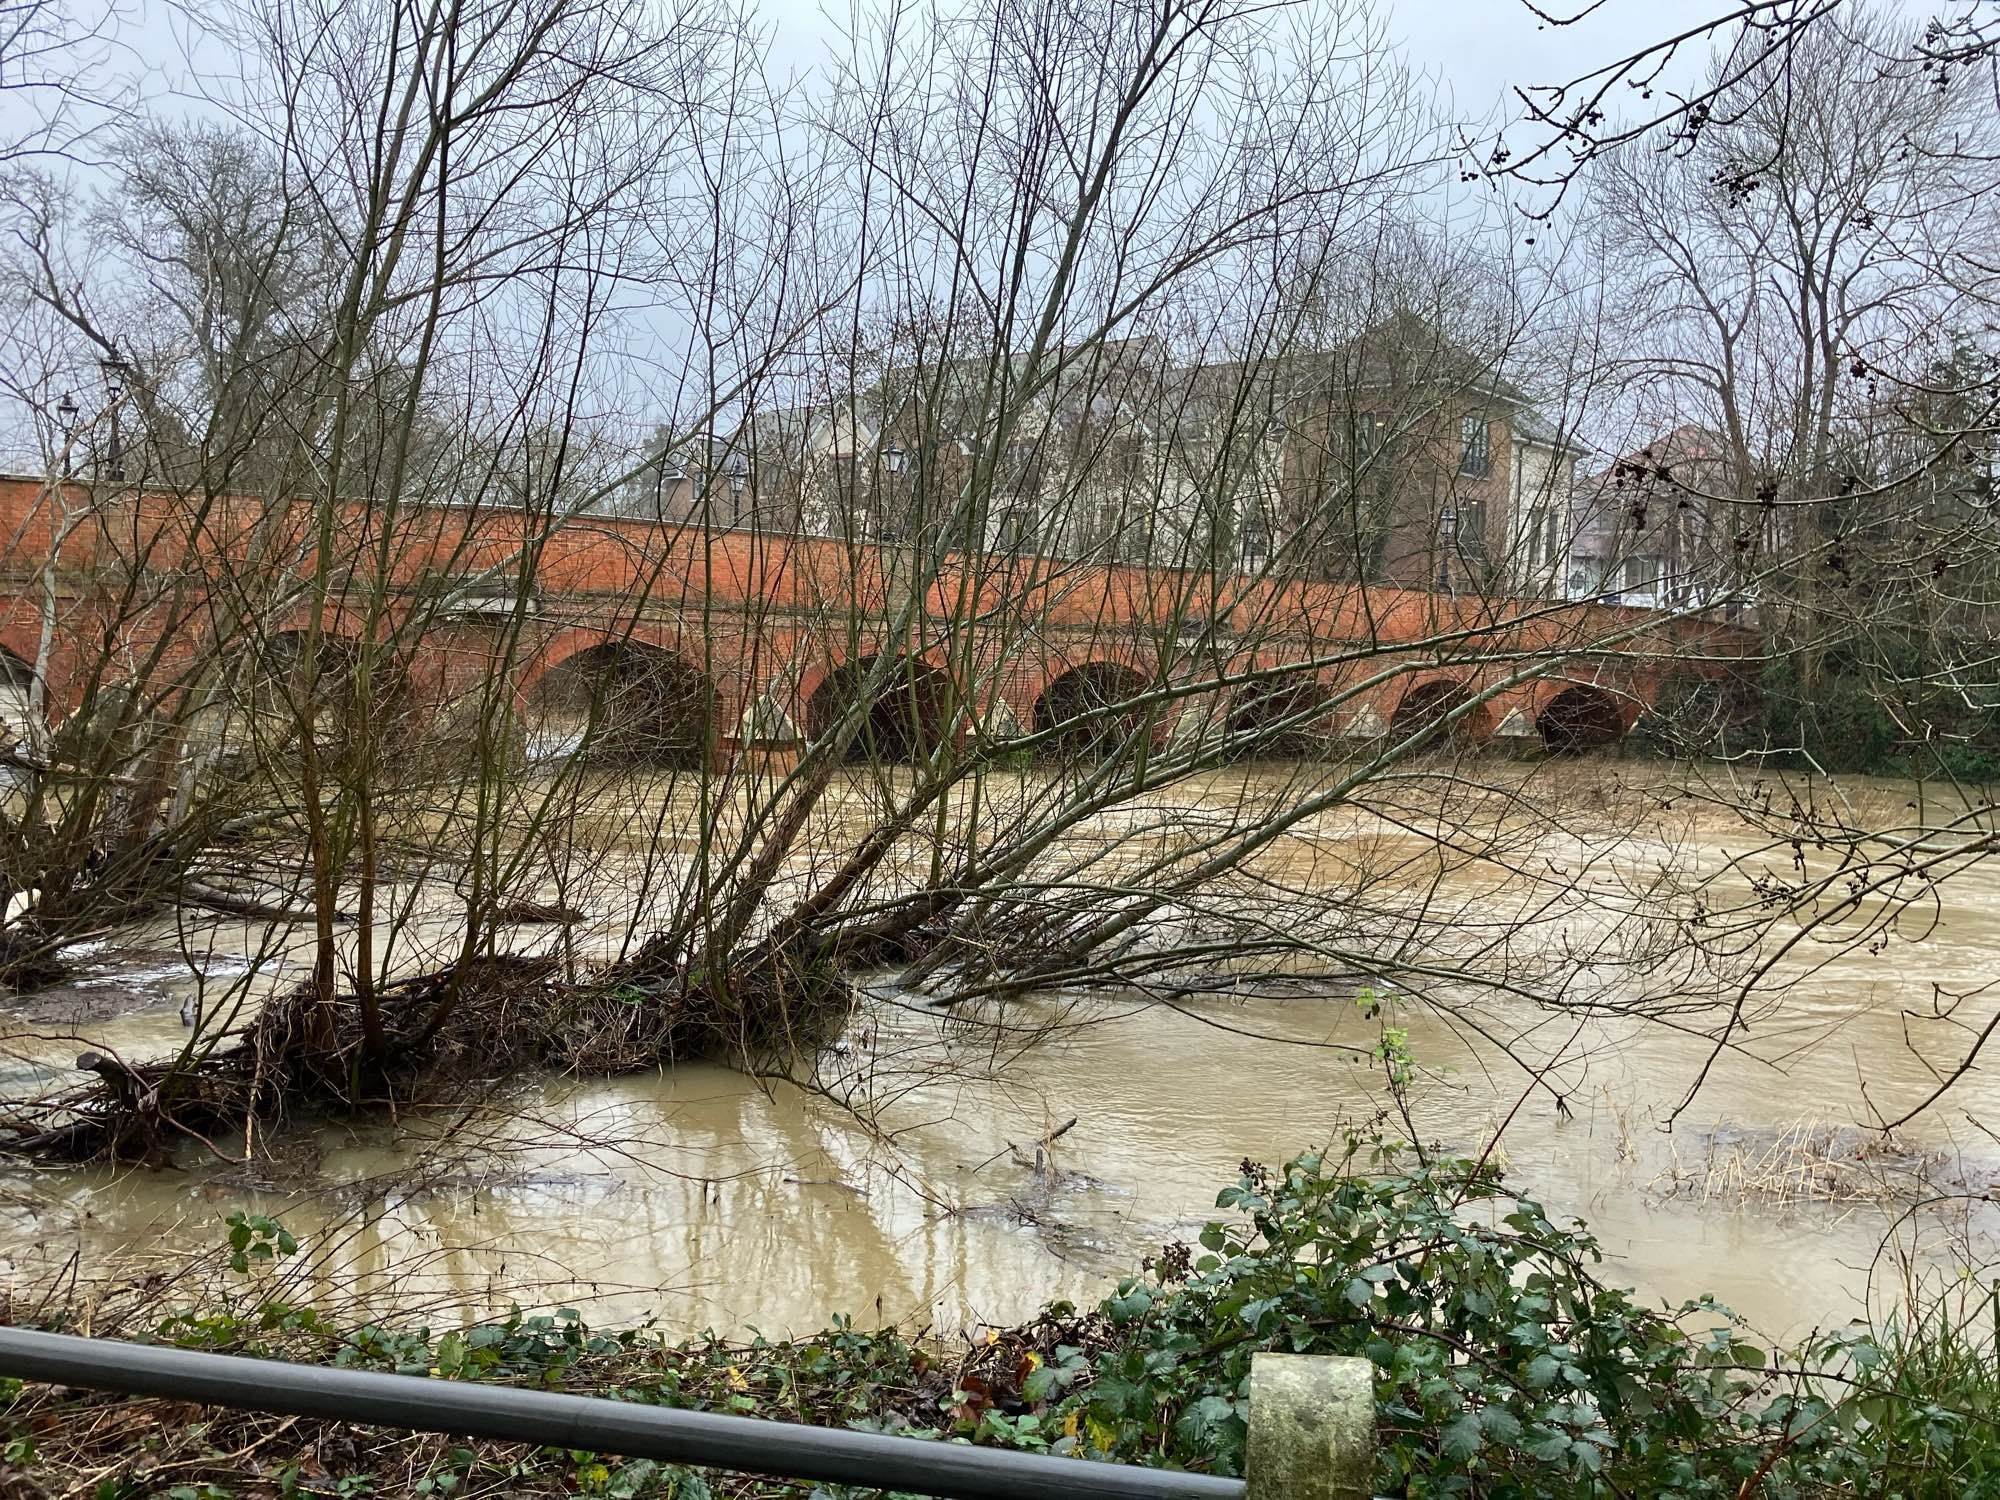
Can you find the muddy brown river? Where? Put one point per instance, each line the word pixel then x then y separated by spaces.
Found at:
pixel 963 1195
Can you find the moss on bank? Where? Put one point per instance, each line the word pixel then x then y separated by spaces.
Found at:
pixel 1505 1367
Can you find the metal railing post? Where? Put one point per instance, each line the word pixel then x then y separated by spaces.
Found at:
pixel 1312 1427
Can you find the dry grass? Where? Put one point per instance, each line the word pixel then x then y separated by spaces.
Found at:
pixel 1806 1162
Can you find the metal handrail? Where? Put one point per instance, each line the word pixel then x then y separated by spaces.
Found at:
pixel 595 1424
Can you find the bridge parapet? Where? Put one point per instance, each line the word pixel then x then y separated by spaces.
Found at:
pixel 461 593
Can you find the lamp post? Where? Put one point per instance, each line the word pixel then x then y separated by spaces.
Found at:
pixel 1448 538
pixel 894 462
pixel 738 471
pixel 66 417
pixel 115 373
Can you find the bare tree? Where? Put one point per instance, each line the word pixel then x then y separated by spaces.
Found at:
pixel 1129 422
pixel 1790 282
pixel 51 59
pixel 1741 50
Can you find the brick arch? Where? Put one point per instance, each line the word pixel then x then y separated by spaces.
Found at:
pixel 1055 662
pixel 1573 716
pixel 1056 659
pixel 1255 708
pixel 907 718
pixel 1069 690
pixel 560 645
pixel 1427 700
pixel 331 633
pixel 1634 689
pixel 335 635
pixel 339 625
pixel 824 658
pixel 634 696
pixel 396 698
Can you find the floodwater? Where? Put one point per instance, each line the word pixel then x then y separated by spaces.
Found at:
pixel 938 1178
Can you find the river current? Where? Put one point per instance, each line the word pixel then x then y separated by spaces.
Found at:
pixel 965 1195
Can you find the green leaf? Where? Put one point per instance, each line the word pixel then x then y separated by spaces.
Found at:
pixel 1253 1312
pixel 1199 1426
pixel 1128 1305
pixel 1550 1449
pixel 1462 1438
pixel 1500 1424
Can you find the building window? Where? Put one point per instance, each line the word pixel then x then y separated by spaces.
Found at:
pixel 1371 458
pixel 1471 530
pixel 1370 431
pixel 1474 456
pixel 1544 537
pixel 1642 575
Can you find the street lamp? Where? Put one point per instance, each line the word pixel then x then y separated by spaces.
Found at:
pixel 1253 549
pixel 66 417
pixel 1448 536
pixel 738 470
pixel 894 462
pixel 116 371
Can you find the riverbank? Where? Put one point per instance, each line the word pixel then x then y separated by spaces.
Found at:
pixel 1505 1366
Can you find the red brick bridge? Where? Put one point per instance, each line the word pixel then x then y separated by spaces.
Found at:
pixel 741 639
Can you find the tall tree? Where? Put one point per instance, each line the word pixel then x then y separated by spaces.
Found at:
pixel 1783 278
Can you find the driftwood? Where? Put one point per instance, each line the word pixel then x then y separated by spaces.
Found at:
pixel 230 904
pixel 537 913
pixel 455 1027
pixel 142 1111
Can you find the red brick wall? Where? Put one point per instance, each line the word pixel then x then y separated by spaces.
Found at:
pixel 151 580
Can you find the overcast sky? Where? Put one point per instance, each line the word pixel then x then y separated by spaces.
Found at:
pixel 1480 49
pixel 1477 50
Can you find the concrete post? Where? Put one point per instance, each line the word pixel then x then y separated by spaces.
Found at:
pixel 1312 1428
